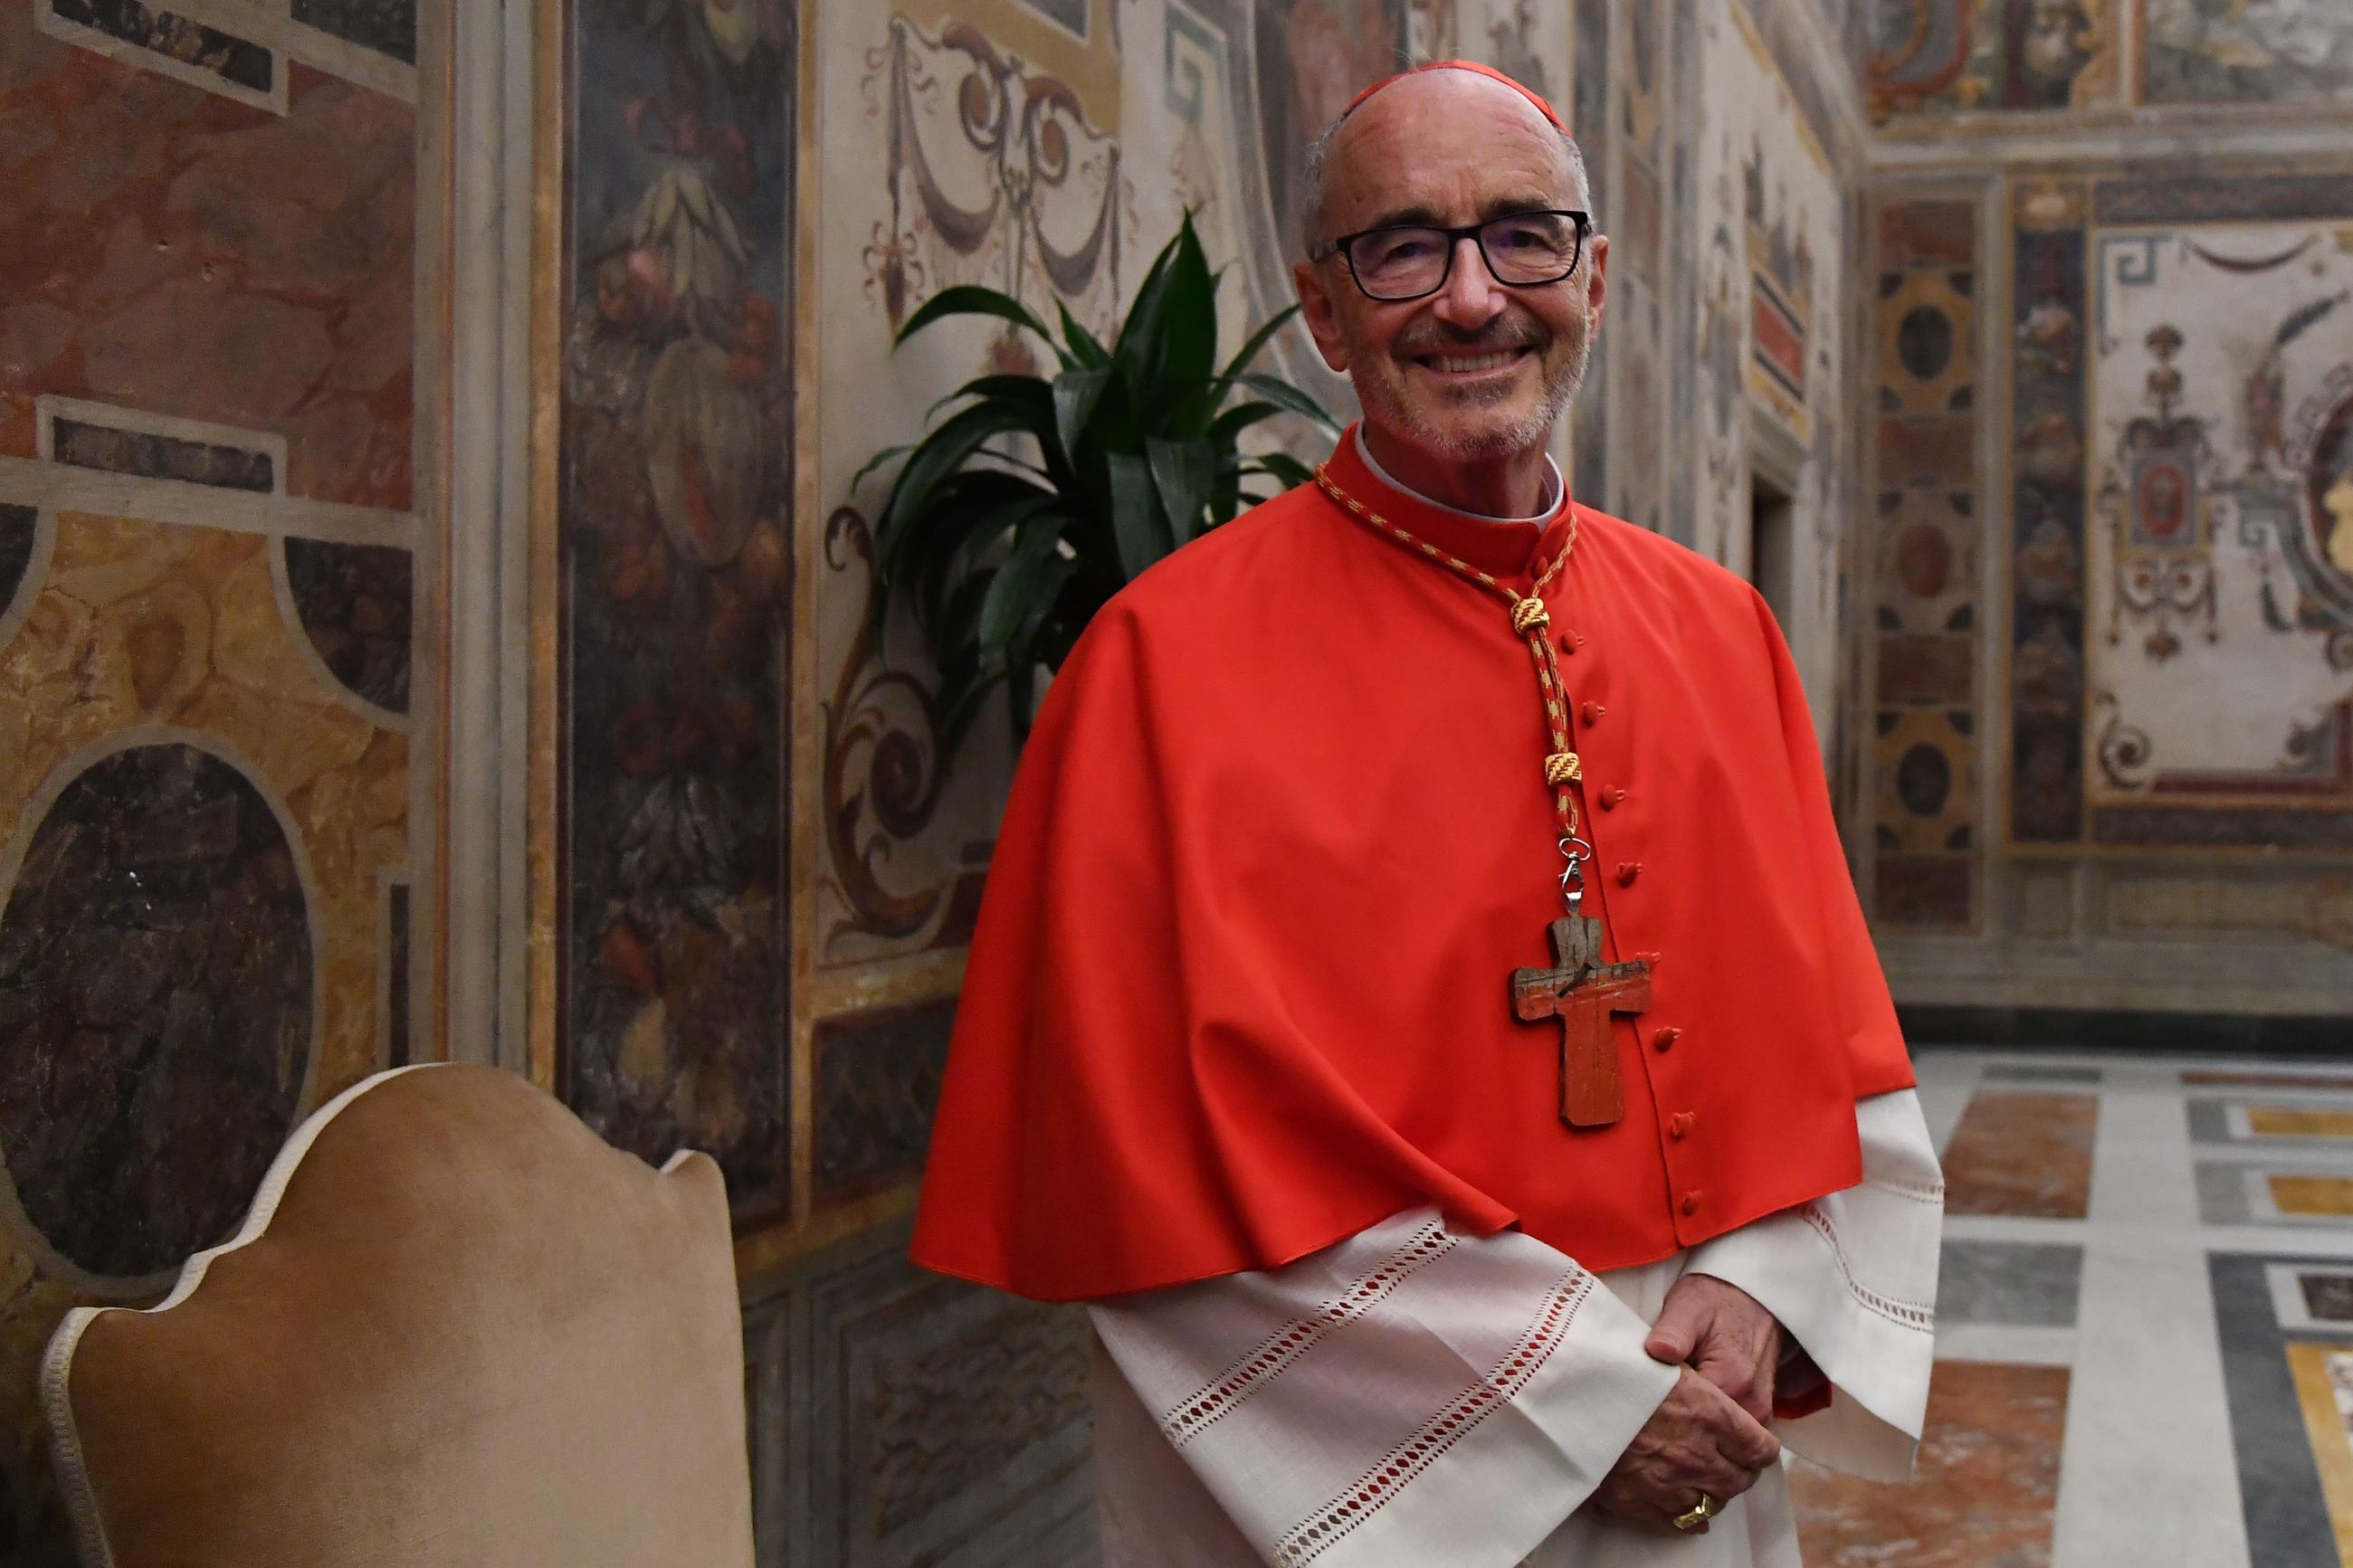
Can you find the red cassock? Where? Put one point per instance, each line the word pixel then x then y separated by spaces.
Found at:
pixel 1241 982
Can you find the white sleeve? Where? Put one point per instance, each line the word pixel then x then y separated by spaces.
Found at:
pixel 1852 1278
pixel 1406 1396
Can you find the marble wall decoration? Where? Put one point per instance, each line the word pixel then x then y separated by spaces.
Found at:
pixel 92 437
pixel 209 370
pixel 157 971
pixel 1923 554
pixel 20 534
pixel 2017 54
pixel 676 497
pixel 388 26
pixel 399 964
pixel 2264 51
pixel 219 61
pixel 160 720
pixel 140 628
pixel 197 258
pixel 355 602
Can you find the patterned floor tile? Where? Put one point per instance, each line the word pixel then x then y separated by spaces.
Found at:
pixel 2023 1153
pixel 1985 1493
pixel 2012 1283
pixel 2272 1357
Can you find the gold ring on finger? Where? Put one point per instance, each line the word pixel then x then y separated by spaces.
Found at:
pixel 1700 1513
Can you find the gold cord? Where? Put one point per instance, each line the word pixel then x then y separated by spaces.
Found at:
pixel 1530 622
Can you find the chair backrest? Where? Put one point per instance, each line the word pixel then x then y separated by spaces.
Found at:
pixel 456 1329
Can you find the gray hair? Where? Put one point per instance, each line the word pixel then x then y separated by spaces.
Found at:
pixel 1310 213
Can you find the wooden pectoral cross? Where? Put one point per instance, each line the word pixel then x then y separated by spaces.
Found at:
pixel 1584 994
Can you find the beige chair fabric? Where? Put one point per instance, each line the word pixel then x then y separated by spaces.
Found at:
pixel 457 1331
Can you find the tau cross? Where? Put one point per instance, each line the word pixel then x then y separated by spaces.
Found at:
pixel 1584 993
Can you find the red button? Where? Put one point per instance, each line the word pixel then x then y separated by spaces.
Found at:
pixel 1664 1039
pixel 1626 871
pixel 1652 958
pixel 1690 1203
pixel 1610 797
pixel 1679 1125
pixel 1593 712
pixel 1568 642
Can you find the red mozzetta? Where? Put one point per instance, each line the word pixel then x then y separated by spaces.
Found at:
pixel 1241 983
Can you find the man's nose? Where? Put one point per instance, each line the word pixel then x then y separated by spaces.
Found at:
pixel 1472 297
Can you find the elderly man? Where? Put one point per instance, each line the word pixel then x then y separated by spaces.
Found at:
pixel 1419 1003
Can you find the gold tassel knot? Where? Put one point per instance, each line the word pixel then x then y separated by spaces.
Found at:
pixel 1562 767
pixel 1529 615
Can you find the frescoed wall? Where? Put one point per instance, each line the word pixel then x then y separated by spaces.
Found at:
pixel 675 523
pixel 2115 774
pixel 220 680
pixel 2219 565
pixel 2265 51
pixel 1772 364
pixel 2021 56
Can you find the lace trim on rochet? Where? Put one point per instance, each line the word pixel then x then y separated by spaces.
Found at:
pixel 1918 1191
pixel 1903 1314
pixel 1265 1361
pixel 1328 1525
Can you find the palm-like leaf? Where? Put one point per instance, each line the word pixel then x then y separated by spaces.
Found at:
pixel 1038 497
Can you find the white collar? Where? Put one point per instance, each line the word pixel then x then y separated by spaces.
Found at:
pixel 1544 513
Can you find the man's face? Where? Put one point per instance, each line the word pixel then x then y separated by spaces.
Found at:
pixel 1478 369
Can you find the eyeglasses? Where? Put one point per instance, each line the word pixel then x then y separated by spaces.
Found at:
pixel 1409 260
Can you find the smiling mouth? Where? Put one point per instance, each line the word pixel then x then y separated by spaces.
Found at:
pixel 1453 365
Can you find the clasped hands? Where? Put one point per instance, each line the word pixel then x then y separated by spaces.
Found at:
pixel 1708 1437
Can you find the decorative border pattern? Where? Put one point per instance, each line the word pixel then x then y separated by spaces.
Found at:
pixel 1923 552
pixel 2049 355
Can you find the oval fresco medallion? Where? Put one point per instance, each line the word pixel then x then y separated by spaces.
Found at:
pixel 1924 780
pixel 2328 490
pixel 1924 560
pixel 1923 342
pixel 156 995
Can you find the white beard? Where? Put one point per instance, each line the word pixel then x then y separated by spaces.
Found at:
pixel 1533 430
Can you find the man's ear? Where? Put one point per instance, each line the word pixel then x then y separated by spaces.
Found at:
pixel 1321 312
pixel 1597 288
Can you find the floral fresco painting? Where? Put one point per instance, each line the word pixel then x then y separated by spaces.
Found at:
pixel 676 486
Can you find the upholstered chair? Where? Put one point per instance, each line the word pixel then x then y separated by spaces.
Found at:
pixel 458 1330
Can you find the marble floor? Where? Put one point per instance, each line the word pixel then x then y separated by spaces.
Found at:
pixel 2145 1323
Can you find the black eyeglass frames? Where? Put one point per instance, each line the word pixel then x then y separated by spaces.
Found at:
pixel 1409 260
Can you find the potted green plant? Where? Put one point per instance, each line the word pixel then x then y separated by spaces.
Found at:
pixel 1016 516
